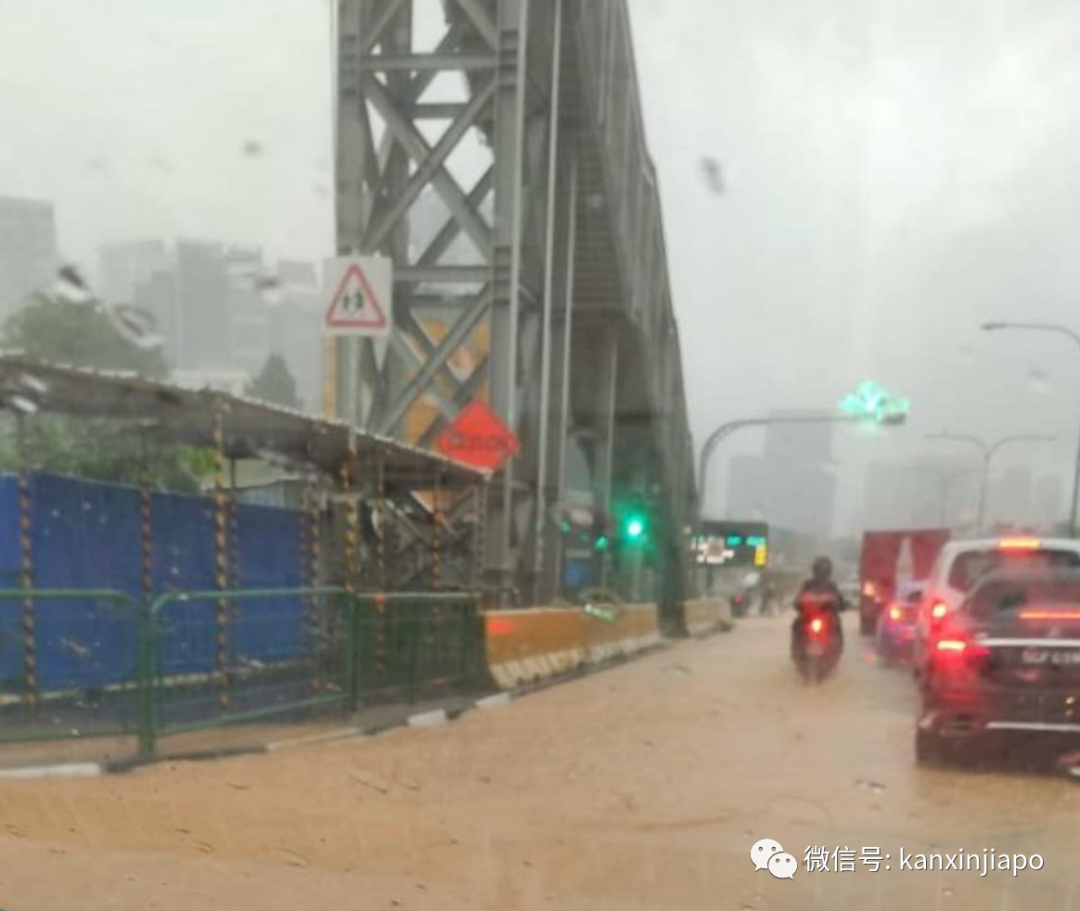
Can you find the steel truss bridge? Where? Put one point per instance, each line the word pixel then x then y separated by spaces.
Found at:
pixel 495 151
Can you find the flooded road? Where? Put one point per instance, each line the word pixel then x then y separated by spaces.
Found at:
pixel 641 787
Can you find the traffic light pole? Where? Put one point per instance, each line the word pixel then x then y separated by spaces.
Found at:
pixel 725 430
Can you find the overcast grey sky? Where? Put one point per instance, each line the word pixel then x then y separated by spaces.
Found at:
pixel 897 171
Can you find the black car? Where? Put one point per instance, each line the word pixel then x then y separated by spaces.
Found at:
pixel 1004 671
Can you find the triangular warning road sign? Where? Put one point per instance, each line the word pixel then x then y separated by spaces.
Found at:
pixel 354 304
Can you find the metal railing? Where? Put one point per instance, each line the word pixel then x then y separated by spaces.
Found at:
pixel 412 645
pixel 84 663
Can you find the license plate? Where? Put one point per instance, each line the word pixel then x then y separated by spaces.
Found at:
pixel 815 649
pixel 1050 656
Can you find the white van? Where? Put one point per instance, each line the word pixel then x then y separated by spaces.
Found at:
pixel 962 563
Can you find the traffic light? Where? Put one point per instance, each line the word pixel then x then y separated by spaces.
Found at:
pixel 634 527
pixel 601 536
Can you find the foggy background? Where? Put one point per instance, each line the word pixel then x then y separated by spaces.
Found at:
pixel 894 173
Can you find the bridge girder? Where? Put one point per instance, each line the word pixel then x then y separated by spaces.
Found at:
pixel 548 267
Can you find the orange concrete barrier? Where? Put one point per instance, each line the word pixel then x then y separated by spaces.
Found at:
pixel 706 616
pixel 528 645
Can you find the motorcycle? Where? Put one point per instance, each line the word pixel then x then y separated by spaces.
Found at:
pixel 818 644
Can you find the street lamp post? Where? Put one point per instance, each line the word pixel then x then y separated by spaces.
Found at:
pixel 1058 330
pixel 988 451
pixel 725 430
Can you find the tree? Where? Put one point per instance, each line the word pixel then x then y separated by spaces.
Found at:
pixel 275 384
pixel 80 335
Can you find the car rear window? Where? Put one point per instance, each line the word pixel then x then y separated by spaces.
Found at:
pixel 912 596
pixel 970 566
pixel 1049 596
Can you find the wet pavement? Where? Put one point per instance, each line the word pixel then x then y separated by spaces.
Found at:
pixel 644 786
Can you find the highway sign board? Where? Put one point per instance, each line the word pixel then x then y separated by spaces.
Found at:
pixel 359 296
pixel 478 437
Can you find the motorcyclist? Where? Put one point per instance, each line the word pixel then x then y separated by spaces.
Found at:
pixel 821 588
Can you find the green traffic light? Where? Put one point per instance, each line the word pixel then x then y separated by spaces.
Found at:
pixel 601 543
pixel 635 527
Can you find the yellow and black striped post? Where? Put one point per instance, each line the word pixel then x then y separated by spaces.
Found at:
pixel 477 534
pixel 146 532
pixel 221 560
pixel 26 567
pixel 352 518
pixel 309 561
pixel 380 507
pixel 234 533
pixel 480 535
pixel 436 537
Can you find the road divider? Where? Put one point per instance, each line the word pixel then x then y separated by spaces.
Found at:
pixel 525 646
pixel 706 616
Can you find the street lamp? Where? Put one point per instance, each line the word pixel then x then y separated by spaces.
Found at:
pixel 1058 330
pixel 988 451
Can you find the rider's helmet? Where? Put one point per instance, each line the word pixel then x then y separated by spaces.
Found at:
pixel 822 569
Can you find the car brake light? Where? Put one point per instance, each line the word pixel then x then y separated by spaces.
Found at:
pixel 1050 615
pixel 816 625
pixel 939 610
pixel 895 613
pixel 951 645
pixel 1019 544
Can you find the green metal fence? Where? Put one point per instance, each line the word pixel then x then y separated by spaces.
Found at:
pixel 198 660
pixel 415 645
pixel 234 656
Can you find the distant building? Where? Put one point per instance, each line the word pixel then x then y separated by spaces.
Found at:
pixel 886 496
pixel 28 257
pixel 248 319
pixel 804 443
pixel 1050 502
pixel 294 328
pixel 158 294
pixel 204 301
pixel 123 268
pixel 1009 499
pixel 222 311
pixel 794 495
pixel 748 488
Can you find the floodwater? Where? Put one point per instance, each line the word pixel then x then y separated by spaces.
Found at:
pixel 644 786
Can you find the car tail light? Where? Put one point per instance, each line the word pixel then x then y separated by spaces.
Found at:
pixel 896 613
pixel 1019 544
pixel 939 610
pixel 1050 614
pixel 956 653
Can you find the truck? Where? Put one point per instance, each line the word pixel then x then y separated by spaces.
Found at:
pixel 891 557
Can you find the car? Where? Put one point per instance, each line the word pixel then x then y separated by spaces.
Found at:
pixel 895 635
pixel 961 564
pixel 1005 669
